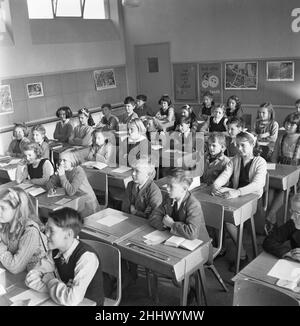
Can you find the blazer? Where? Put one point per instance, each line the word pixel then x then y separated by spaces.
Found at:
pixel 144 200
pixel 257 175
pixel 189 220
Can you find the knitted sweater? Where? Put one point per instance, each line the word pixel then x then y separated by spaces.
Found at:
pixel 81 135
pixel 63 131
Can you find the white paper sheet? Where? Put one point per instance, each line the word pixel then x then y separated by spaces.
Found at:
pixel 122 169
pixel 24 185
pixel 62 201
pixel 34 297
pixel 156 237
pixel 286 270
pixel 271 166
pixel 111 220
pixel 33 191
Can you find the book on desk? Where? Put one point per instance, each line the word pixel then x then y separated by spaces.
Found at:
pixel 181 242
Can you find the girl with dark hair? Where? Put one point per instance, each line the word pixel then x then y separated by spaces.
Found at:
pixel 207 105
pixel 234 108
pixel 63 128
pixel 166 112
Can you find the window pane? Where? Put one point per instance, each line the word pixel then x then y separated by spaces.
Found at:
pixel 94 9
pixel 68 8
pixel 38 9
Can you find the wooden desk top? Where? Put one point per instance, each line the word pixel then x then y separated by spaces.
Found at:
pixel 284 176
pixel 14 285
pixel 115 233
pixel 166 260
pixel 258 269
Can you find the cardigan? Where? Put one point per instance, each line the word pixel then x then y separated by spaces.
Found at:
pixel 257 175
pixel 189 220
pixel 270 127
pixel 145 200
pixel 104 154
pixel 275 242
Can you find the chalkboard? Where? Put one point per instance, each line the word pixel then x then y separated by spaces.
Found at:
pixel 74 89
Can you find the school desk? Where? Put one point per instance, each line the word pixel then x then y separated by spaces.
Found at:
pixel 176 263
pixel 14 284
pixel 8 167
pixel 92 229
pixel 127 236
pixel 258 270
pixel 237 212
pixel 284 177
pixel 47 204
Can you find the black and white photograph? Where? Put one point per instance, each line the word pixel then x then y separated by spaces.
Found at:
pixel 150 160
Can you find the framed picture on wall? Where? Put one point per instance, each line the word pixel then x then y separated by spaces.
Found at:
pixel 185 82
pixel 104 79
pixel 6 104
pixel 280 70
pixel 35 90
pixel 241 75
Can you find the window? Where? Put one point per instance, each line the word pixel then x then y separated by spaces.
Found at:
pixel 47 9
pixel 40 9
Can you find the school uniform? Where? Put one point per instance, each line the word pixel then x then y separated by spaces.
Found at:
pixel 125 118
pixel 276 242
pixel 63 131
pixel 188 217
pixel 105 154
pixel 81 135
pixel 145 198
pixel 256 175
pixel 217 126
pixel 213 167
pixel 73 181
pixel 16 147
pixel 112 123
pixel 78 274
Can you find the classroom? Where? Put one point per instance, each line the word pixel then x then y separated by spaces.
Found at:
pixel 149 153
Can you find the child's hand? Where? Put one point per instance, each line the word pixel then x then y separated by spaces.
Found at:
pixel 168 221
pixel 60 170
pixel 33 277
pixel 132 210
pixel 295 254
pixel 52 191
pixel 231 194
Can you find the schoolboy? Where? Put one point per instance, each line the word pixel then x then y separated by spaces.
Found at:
pixel 234 126
pixel 142 109
pixel 142 195
pixel 72 269
pixel 180 212
pixel 215 161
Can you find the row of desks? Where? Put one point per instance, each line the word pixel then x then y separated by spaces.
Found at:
pixel 128 237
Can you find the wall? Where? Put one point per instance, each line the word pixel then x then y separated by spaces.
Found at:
pixel 214 30
pixel 27 59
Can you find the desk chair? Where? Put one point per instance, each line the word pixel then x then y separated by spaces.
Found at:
pixel 214 217
pixel 99 183
pixel 248 292
pixel 111 264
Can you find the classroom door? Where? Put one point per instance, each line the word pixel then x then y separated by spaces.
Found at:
pixel 153 67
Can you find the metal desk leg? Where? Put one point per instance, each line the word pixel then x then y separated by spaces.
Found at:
pixel 202 278
pixel 239 246
pixel 184 290
pixel 286 202
pixel 253 235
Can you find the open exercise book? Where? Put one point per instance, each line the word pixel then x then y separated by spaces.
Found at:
pixel 157 237
pixel 288 274
pixel 95 165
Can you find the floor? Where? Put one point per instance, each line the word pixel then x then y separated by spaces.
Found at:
pixel 168 294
